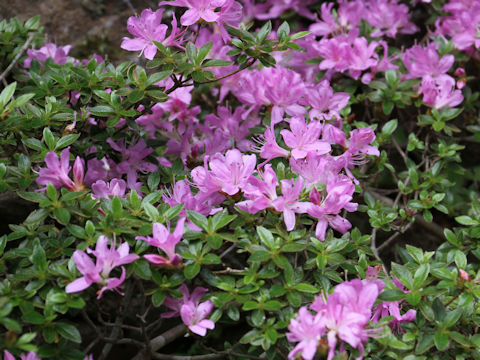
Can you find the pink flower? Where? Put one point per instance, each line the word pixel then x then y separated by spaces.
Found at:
pixel 326 209
pixel 146 29
pixel 304 138
pixel 193 315
pixel 116 187
pixel 132 160
pixel 192 312
pixel 107 259
pixel 197 9
pixel 324 102
pixel 57 170
pixel 229 173
pixel 289 202
pixel 50 50
pixel 421 62
pixel 260 192
pixel 268 147
pixel 388 18
pixel 30 356
pixel 307 330
pixel 163 239
pixel 284 90
pixel 440 91
pixel 346 313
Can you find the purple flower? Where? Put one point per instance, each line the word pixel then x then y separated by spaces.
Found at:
pixel 260 192
pixel 326 209
pixel 30 356
pixel 193 315
pixel 440 91
pixel 116 187
pixel 192 312
pixel 304 138
pixel 197 9
pixel 268 147
pixel 163 239
pixel 421 62
pixel 107 259
pixel 229 173
pixel 146 29
pixel 289 202
pixel 50 50
pixel 307 330
pixel 57 172
pixel 284 90
pixel 132 160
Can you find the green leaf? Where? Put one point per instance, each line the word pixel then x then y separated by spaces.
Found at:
pixel 221 219
pixel 151 211
pixel 283 32
pixel 272 305
pixel 387 107
pixel 392 295
pixel 32 196
pixel 425 343
pixel 390 127
pixel 260 256
pixel 452 317
pixel 303 287
pixel 441 340
pixel 49 138
pixel 204 51
pixel 264 32
pixel 69 332
pixel 266 237
pixel 33 317
pixel 420 276
pixel 216 62
pixel 36 216
pixel 39 258
pixel 198 219
pixel 62 215
pixel 142 269
pixel 66 140
pixel 159 76
pixel 192 52
pixel 191 271
pixel 466 220
pixel 102 110
pixel 460 259
pixel 7 94
pixel 215 241
pixel 403 275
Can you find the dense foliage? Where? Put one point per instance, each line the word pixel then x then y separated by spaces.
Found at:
pixel 270 180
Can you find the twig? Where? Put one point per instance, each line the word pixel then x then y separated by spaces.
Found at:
pixel 15 59
pixel 393 237
pixel 375 250
pixel 118 321
pixel 164 339
pixel 432 227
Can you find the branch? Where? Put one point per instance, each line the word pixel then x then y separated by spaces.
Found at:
pixel 17 57
pixel 432 227
pixel 164 339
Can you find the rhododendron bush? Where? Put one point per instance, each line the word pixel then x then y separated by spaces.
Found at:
pixel 266 180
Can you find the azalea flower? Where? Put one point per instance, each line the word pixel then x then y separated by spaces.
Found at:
pixel 57 172
pixel 163 239
pixel 149 28
pixel 107 259
pixel 197 9
pixel 192 312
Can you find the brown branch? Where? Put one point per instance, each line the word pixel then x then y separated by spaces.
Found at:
pixel 164 339
pixel 432 227
pixel 17 57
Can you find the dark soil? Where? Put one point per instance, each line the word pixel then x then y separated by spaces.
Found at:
pixel 91 26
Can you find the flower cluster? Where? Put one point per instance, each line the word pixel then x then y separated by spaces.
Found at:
pixel 344 316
